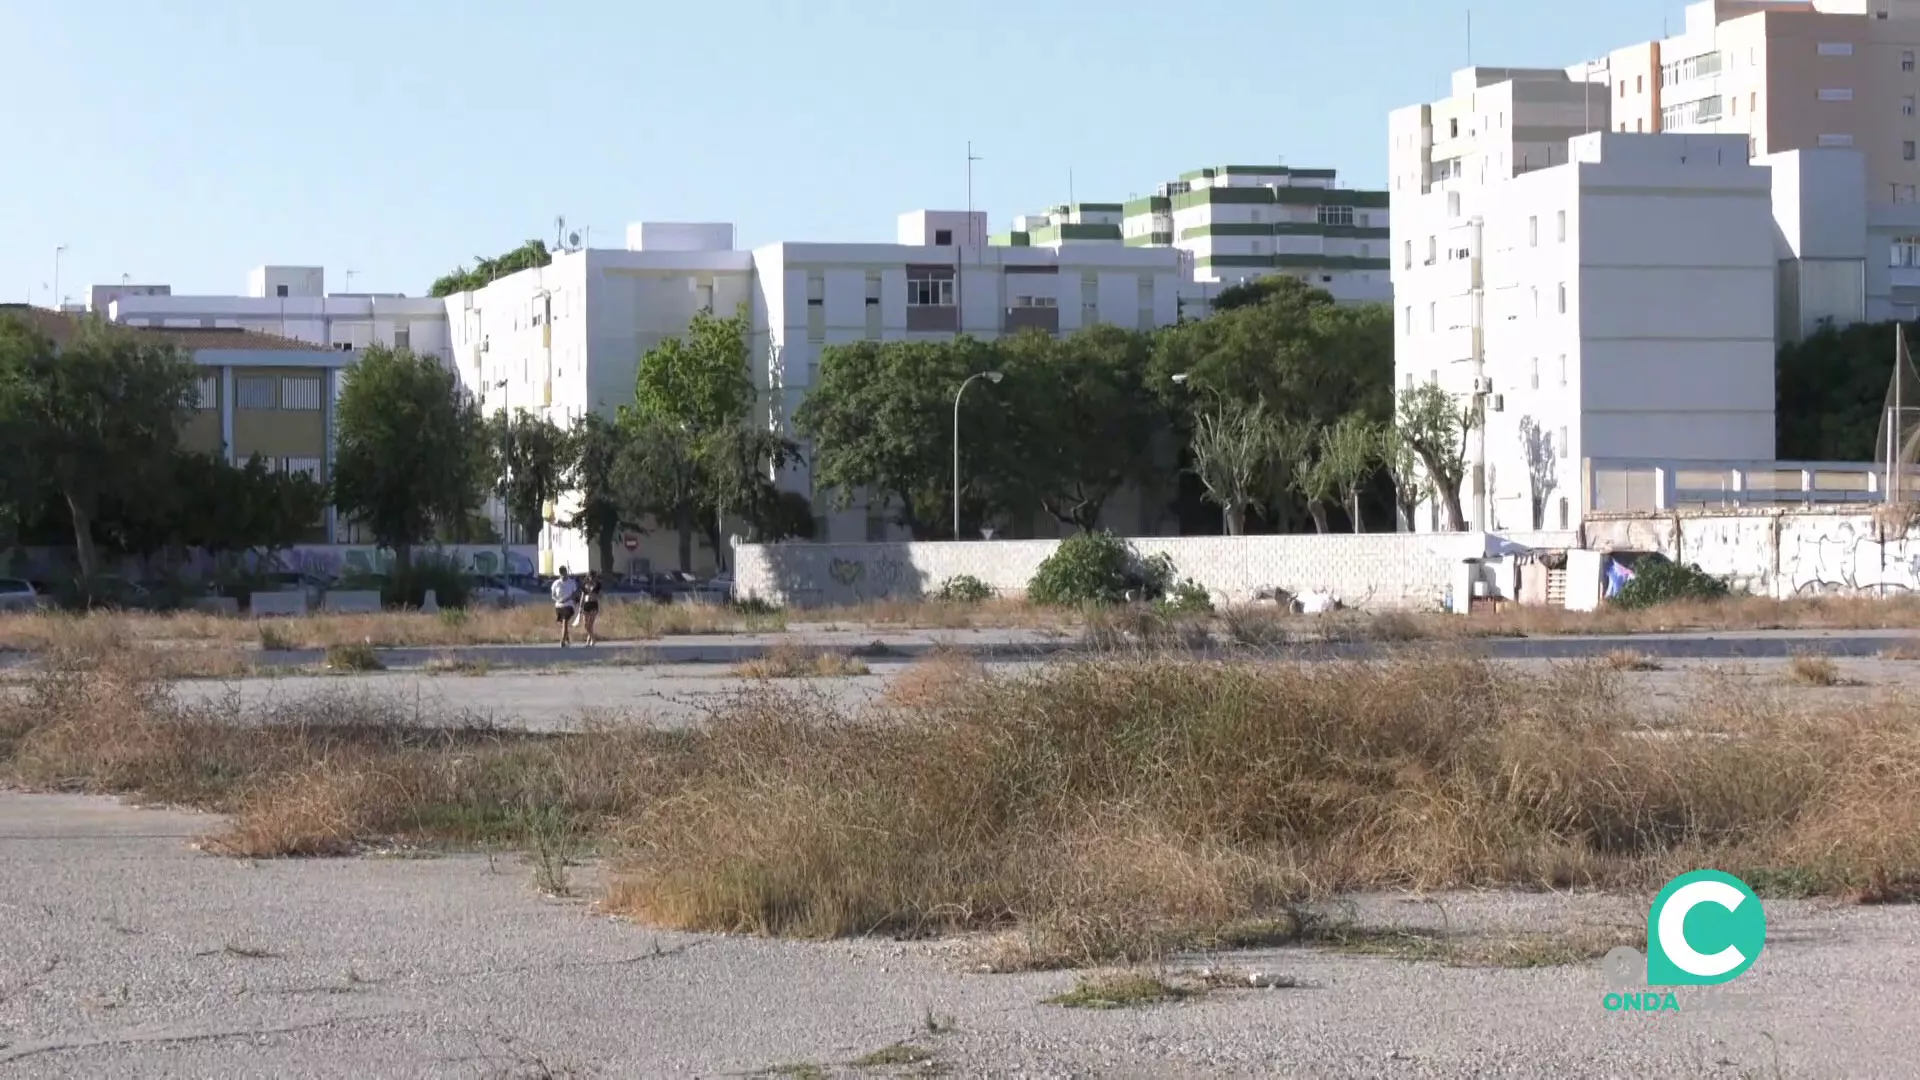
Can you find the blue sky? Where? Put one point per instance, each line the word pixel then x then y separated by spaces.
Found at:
pixel 185 143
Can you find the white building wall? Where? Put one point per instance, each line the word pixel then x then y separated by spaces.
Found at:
pixel 1627 303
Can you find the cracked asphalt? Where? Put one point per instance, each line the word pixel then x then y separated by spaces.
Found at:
pixel 130 954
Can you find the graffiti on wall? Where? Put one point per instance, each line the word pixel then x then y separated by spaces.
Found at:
pixel 349 560
pixel 1845 555
pixel 880 580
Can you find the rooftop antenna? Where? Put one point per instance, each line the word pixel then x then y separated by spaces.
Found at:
pixel 350 275
pixel 1069 186
pixel 971 158
pixel 1469 37
pixel 560 232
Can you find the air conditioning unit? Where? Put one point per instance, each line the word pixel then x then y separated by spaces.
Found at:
pixel 1499 403
pixel 1482 385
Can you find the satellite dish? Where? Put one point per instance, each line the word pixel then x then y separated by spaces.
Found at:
pixel 573 239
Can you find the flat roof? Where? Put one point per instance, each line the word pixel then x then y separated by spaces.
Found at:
pixel 61 327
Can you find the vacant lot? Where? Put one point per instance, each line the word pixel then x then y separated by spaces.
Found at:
pixel 1252 626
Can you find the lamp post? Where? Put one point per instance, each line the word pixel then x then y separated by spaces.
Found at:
pixel 992 377
pixel 55 298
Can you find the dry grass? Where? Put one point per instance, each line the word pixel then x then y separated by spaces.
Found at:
pixel 1808 669
pixel 932 678
pixel 1120 990
pixel 1257 626
pixel 1630 660
pixel 1095 813
pixel 788 662
pixel 1905 650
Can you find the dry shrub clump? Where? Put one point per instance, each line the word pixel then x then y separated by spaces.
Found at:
pixel 1113 811
pixel 318 776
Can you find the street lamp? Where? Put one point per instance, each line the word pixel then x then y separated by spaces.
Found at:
pixel 992 377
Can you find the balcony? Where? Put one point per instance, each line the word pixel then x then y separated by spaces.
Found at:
pixel 1045 319
pixel 1456 277
pixel 1455 345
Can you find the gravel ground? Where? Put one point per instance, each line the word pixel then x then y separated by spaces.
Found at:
pixel 555 699
pixel 131 955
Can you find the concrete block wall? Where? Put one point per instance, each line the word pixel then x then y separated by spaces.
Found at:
pixel 1780 553
pixel 1370 570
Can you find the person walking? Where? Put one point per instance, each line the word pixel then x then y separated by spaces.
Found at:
pixel 566 592
pixel 590 604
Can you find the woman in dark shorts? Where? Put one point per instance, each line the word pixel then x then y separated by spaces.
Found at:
pixel 590 604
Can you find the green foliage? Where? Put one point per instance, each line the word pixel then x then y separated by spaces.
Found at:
pixel 880 416
pixel 527 256
pixel 1188 597
pixel 91 424
pixel 411 449
pixel 445 575
pixel 964 589
pixel 1661 581
pixel 1243 456
pixel 1099 568
pixel 597 446
pixel 1080 421
pixel 700 381
pixel 1348 453
pixel 1831 391
pixel 532 457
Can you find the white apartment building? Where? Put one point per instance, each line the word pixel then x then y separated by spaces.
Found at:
pixel 1236 223
pixel 568 337
pixel 1621 304
pixel 289 301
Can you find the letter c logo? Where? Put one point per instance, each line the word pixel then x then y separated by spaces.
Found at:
pixel 1673 928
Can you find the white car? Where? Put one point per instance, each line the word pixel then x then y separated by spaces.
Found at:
pixel 493 591
pixel 19 595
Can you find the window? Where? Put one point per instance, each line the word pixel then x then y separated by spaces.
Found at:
pixel 1407 321
pixel 1433 250
pixel 1906 150
pixel 1906 105
pixel 1563 513
pixel 1533 232
pixel 1906 60
pixel 1453 126
pixel 279 290
pixel 943 237
pixel 1453 204
pixel 930 288
pixel 1563 298
pixel 254 392
pixel 1836 140
pixel 816 308
pixel 1409 383
pixel 1841 93
pixel 1562 448
pixel 1563 369
pixel 1693 67
pixel 1639 84
pixel 1534 292
pixel 1560 225
pixel 1836 48
pixel 1335 215
pixel 1905 252
pixel 308 465
pixel 1433 316
pixel 300 393
pixel 873 307
pixel 209 392
pixel 1639 124
pixel 1688 113
pixel 1623 88
pixel 1536 373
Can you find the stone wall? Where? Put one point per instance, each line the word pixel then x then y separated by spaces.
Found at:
pixel 1377 570
pixel 1779 552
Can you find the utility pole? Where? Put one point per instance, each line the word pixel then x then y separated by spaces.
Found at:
pixel 960 256
pixel 55 298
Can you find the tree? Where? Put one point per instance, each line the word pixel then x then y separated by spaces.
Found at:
pixel 1435 428
pixel 1349 451
pixel 701 380
pixel 1082 421
pixel 527 256
pixel 92 423
pixel 880 418
pixel 411 449
pixel 1831 392
pixel 738 465
pixel 1410 486
pixel 1234 457
pixel 530 463
pixel 596 447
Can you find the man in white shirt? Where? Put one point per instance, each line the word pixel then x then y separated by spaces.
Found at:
pixel 565 592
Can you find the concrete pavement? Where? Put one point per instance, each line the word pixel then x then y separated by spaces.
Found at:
pixel 132 955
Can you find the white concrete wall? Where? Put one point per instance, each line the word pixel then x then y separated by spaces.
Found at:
pixel 1374 570
pixel 1777 553
pixel 349 322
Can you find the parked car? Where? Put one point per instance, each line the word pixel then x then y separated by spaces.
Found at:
pixel 18 594
pixel 495 591
pixel 626 591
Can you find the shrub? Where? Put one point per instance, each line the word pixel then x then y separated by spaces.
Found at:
pixel 1189 597
pixel 1099 568
pixel 1658 581
pixel 965 589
